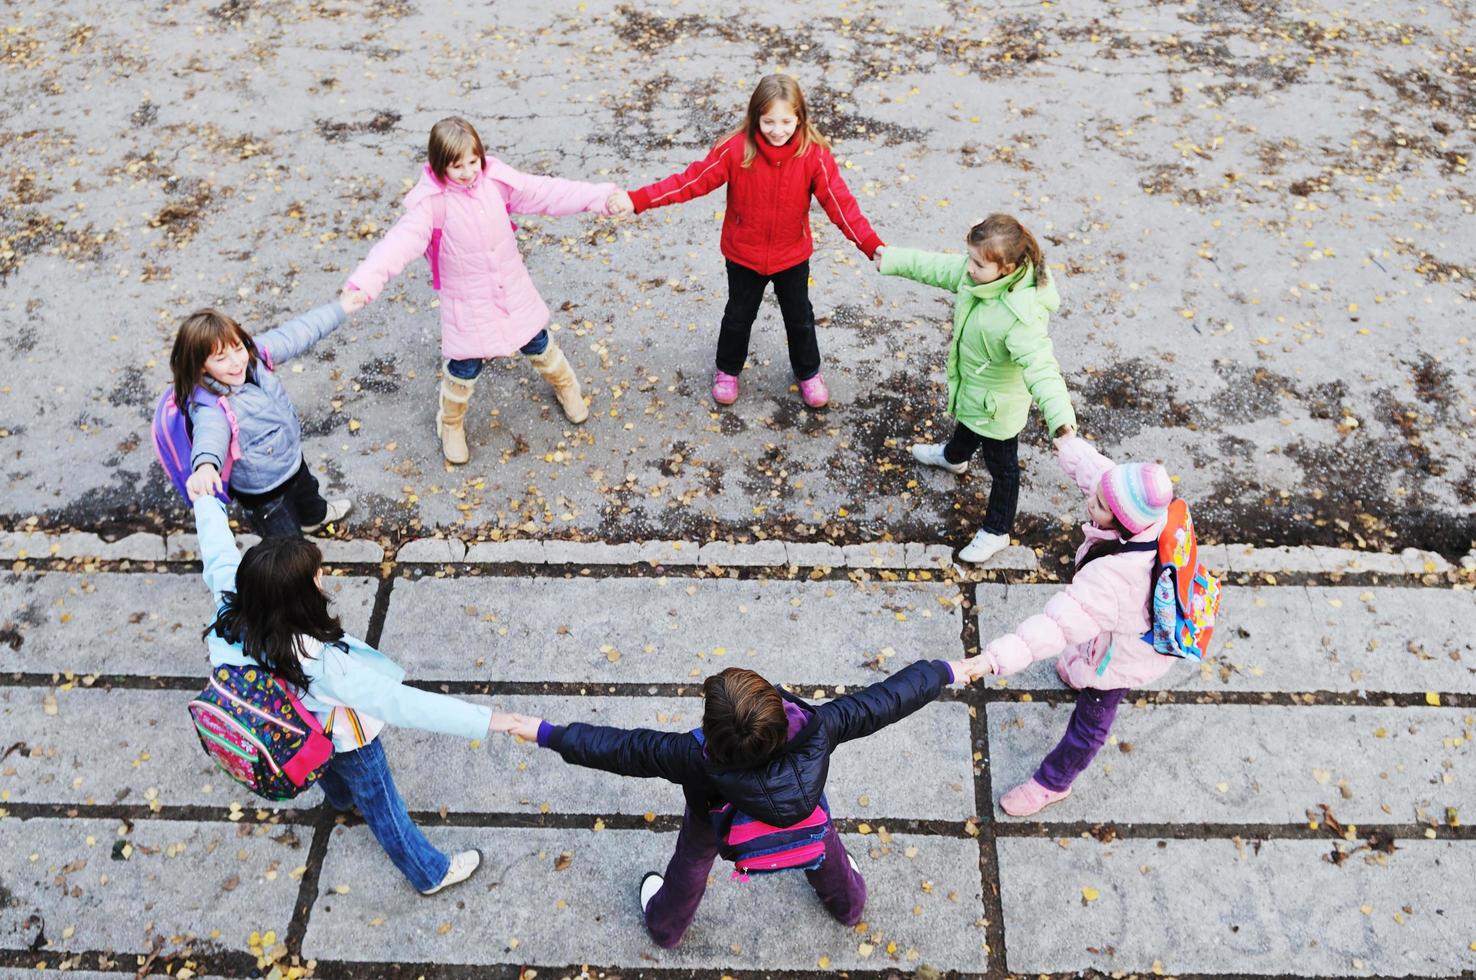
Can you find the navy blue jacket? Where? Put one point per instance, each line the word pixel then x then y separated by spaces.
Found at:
pixel 782 791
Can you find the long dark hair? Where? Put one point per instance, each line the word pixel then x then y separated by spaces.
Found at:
pixel 276 603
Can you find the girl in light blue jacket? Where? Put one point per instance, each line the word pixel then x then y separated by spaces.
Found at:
pixel 271 611
pixel 255 428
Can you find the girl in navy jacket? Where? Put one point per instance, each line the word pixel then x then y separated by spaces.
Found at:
pixel 762 749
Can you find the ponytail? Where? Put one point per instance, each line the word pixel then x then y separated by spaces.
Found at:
pixel 1006 242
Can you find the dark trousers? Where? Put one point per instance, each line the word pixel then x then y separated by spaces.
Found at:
pixel 745 293
pixel 1002 459
pixel 841 890
pixel 1086 732
pixel 468 368
pixel 283 511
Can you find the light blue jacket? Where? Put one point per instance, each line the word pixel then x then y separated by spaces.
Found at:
pixel 269 431
pixel 363 678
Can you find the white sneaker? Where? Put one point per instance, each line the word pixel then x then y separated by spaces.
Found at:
pixel 853 862
pixel 463 865
pixel 931 454
pixel 984 547
pixel 650 885
pixel 337 510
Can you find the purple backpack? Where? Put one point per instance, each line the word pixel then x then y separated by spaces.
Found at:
pixel 172 439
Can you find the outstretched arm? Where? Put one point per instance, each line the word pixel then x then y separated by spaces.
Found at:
pixel 702 177
pixel 639 752
pixel 840 204
pixel 400 246
pixel 1030 346
pixel 1078 613
pixel 865 711
pixel 553 196
pixel 929 268
pixel 217 546
pixel 295 337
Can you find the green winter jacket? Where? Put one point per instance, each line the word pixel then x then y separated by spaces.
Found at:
pixel 1000 358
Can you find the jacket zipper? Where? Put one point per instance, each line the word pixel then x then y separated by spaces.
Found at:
pixel 255 711
pixel 261 749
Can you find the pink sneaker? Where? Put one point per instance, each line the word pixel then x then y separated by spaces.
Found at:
pixel 724 387
pixel 1028 798
pixel 814 392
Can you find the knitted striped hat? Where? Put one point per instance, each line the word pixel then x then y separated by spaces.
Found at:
pixel 1138 494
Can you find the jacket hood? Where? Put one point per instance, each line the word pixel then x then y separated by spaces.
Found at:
pixel 1028 300
pixel 429 186
pixel 787 788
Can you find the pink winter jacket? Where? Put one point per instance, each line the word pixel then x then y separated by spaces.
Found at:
pixel 1100 618
pixel 489 306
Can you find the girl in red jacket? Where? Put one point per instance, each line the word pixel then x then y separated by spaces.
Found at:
pixel 772 165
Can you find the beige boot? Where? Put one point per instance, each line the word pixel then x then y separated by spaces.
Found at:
pixel 455 393
pixel 556 371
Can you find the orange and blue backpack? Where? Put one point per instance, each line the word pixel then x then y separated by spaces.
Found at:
pixel 1186 598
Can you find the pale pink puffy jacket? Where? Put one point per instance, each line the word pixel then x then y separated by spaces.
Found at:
pixel 1100 618
pixel 489 306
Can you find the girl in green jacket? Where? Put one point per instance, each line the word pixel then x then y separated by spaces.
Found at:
pixel 999 361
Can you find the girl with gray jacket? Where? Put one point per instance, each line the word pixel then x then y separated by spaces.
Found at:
pixel 253 427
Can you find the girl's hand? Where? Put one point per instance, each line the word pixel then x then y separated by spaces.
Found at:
pixel 205 481
pixel 352 300
pixel 619 203
pixel 524 727
pixel 969 670
pixel 876 258
pixel 1062 434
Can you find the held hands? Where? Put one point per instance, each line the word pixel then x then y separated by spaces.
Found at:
pixel 352 300
pixel 876 258
pixel 619 203
pixel 204 482
pixel 1062 434
pixel 970 670
pixel 524 727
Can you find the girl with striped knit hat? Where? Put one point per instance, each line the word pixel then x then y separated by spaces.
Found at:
pixel 1097 623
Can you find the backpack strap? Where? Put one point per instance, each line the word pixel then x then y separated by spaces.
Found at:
pixel 1139 546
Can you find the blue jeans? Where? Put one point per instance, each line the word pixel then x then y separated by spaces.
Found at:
pixel 362 778
pixel 470 367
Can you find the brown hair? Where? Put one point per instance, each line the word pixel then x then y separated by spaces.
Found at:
pixel 201 334
pixel 1006 242
pixel 743 719
pixel 770 89
pixel 450 140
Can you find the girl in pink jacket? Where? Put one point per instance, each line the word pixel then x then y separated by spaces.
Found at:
pixel 489 306
pixel 1097 623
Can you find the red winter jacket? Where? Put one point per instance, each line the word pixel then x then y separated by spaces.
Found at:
pixel 767 224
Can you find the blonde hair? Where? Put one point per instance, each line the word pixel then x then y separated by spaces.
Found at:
pixel 771 89
pixel 451 139
pixel 200 335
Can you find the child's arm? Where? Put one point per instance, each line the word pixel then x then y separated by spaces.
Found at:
pixel 638 752
pixel 334 673
pixel 840 204
pixel 1030 347
pixel 553 196
pixel 299 334
pixel 1083 610
pixel 1083 464
pixel 928 268
pixel 702 177
pixel 210 443
pixel 217 546
pixel 857 715
pixel 400 246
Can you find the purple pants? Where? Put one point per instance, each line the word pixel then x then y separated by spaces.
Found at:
pixel 1085 733
pixel 841 890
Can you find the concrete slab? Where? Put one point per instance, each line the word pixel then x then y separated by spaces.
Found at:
pixel 1247 907
pixel 813 555
pixel 756 554
pixel 434 550
pixel 129 623
pixel 920 767
pixel 673 553
pixel 1233 764
pixel 150 756
pixel 1336 638
pixel 877 554
pixel 661 630
pixel 521 552
pixel 522 909
pixel 590 553
pixel 181 880
pixel 77 544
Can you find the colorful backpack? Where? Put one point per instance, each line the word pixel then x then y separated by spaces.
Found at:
pixel 256 729
pixel 758 848
pixel 1186 597
pixel 173 435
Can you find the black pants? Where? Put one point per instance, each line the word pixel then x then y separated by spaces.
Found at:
pixel 745 293
pixel 282 512
pixel 1002 459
